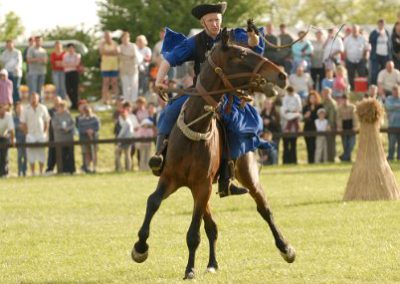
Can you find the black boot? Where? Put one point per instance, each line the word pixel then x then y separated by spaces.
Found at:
pixel 225 185
pixel 156 162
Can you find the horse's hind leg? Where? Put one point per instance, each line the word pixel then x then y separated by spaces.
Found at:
pixel 247 174
pixel 212 234
pixel 201 198
pixel 163 190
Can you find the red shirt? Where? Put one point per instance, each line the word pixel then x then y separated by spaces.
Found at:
pixel 54 57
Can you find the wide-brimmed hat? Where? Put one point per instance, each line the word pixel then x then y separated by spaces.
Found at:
pixel 203 9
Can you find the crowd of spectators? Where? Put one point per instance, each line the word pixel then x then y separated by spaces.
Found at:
pixel 324 74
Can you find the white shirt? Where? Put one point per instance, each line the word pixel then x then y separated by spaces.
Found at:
pixel 35 119
pixel 291 107
pixel 331 46
pixel 302 83
pixel 355 47
pixel 12 61
pixel 381 44
pixel 389 80
pixel 321 124
pixel 6 125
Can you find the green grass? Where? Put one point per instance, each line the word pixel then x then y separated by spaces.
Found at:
pixel 81 230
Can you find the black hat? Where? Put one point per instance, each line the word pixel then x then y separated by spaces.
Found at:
pixel 204 9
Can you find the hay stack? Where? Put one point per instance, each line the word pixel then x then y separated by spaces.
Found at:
pixel 371 177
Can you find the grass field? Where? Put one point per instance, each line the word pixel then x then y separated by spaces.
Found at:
pixel 81 230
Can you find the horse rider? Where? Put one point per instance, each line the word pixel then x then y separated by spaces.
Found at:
pixel 177 49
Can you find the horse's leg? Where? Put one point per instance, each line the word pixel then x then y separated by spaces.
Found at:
pixel 247 174
pixel 201 198
pixel 212 234
pixel 163 190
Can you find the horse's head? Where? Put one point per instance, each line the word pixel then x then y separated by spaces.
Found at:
pixel 242 66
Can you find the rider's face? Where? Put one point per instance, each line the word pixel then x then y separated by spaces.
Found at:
pixel 212 23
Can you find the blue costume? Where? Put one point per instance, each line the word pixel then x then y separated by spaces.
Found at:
pixel 243 124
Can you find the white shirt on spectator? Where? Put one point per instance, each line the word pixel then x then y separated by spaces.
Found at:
pixel 12 61
pixel 381 44
pixel 6 125
pixel 291 107
pixel 127 129
pixel 332 46
pixel 301 83
pixel 35 120
pixel 355 47
pixel 321 124
pixel 389 80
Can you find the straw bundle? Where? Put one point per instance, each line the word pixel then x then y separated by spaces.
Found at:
pixel 371 177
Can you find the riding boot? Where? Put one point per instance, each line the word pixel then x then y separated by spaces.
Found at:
pixel 226 186
pixel 156 162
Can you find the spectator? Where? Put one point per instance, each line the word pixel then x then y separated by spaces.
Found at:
pixel 340 84
pixel 71 63
pixel 129 60
pixel 152 112
pixel 347 120
pixel 392 106
pixel 35 122
pixel 268 156
pixel 88 128
pixel 81 105
pixel 330 107
pixel 141 42
pixel 20 138
pixel 37 60
pixel 11 58
pixel 63 127
pixel 356 49
pixel 380 50
pixel 51 154
pixel 156 54
pixel 387 79
pixel 109 52
pixel 310 115
pixel 284 55
pixel 290 118
pixel 31 42
pixel 321 148
pixel 271 120
pixel 127 125
pixel 146 130
pixel 301 82
pixel 6 137
pixel 271 52
pixel 317 65
pixel 301 52
pixel 327 82
pixel 333 48
pixel 373 93
pixel 396 45
pixel 6 88
pixel 56 60
pixel 141 110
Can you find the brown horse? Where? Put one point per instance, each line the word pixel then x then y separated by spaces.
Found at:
pixel 195 163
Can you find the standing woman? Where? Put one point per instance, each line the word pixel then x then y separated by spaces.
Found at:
pixel 396 45
pixel 58 75
pixel 129 60
pixel 109 52
pixel 310 111
pixel 141 42
pixel 71 62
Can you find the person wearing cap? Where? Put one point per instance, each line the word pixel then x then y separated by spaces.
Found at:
pixel 381 50
pixel 177 49
pixel 321 143
pixel 11 59
pixel 37 62
pixel 6 88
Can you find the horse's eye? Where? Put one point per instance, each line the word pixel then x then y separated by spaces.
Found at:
pixel 282 76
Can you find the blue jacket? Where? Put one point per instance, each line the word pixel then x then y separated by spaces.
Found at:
pixel 392 106
pixel 373 40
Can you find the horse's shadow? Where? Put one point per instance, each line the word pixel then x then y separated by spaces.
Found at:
pixel 313 202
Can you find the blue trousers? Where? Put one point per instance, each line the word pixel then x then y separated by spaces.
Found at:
pixel 394 139
pixel 348 142
pixel 16 84
pixel 35 82
pixel 169 115
pixel 59 82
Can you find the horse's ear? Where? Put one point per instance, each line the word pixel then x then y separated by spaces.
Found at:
pixel 225 39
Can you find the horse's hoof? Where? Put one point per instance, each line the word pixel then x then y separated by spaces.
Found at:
pixel 211 270
pixel 139 257
pixel 189 275
pixel 289 255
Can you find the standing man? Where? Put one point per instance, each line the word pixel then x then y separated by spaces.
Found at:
pixel 35 122
pixel 356 49
pixel 269 51
pixel 284 55
pixel 333 47
pixel 381 50
pixel 392 106
pixel 177 49
pixel 37 61
pixel 330 106
pixel 317 64
pixel 11 58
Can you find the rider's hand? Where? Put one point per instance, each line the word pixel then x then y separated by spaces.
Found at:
pixel 161 88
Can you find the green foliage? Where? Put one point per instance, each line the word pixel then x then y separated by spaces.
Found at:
pixel 11 28
pixel 90 80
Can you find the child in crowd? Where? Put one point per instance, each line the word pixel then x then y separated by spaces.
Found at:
pixel 321 148
pixel 141 109
pixel 340 83
pixel 20 138
pixel 127 126
pixel 327 82
pixel 146 130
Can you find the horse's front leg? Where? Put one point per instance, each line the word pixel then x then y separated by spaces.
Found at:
pixel 163 190
pixel 247 174
pixel 200 197
pixel 212 234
